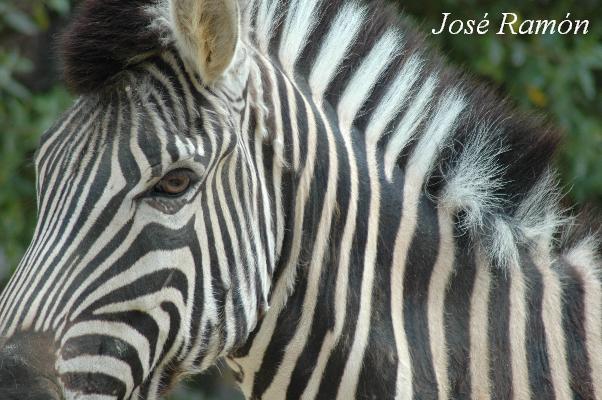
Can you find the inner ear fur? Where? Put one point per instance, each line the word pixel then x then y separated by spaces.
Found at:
pixel 207 32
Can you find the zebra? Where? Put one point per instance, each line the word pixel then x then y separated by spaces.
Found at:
pixel 304 189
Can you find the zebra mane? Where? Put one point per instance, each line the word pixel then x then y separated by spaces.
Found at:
pixel 105 37
pixel 494 172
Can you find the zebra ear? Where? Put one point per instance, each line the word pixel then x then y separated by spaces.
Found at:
pixel 207 33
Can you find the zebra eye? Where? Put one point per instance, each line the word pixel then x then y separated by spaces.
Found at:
pixel 174 183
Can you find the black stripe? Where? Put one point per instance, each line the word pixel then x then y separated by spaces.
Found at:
pixel 199 290
pixel 499 341
pixel 573 324
pixel 94 383
pixel 221 180
pixel 378 375
pixel 419 267
pixel 290 315
pixel 109 346
pixel 540 376
pixel 457 317
pixel 324 315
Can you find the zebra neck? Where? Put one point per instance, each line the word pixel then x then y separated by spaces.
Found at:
pixel 380 292
pixel 331 295
pixel 429 319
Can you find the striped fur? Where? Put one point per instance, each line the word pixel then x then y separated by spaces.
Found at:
pixel 365 222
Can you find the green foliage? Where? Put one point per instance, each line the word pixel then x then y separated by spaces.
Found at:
pixel 24 116
pixel 30 17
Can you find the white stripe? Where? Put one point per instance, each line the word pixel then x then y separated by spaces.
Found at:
pixel 162 318
pixel 152 262
pixel 552 321
pixel 265 22
pixel 350 378
pixel 517 334
pixel 248 261
pixel 300 22
pixel 294 132
pixel 117 178
pixel 39 265
pixel 79 396
pixel 390 104
pixel 278 144
pixel 366 76
pixel 440 280
pixel 209 314
pixel 411 120
pixel 297 343
pixel 332 337
pixel 76 110
pixel 146 303
pixel 105 365
pixel 335 45
pixel 416 174
pixel 266 221
pixel 287 281
pixel 175 110
pixel 479 328
pixel 222 259
pixel 439 129
pixel 256 191
pixel 116 330
pixel 243 291
pixel 583 259
pixel 407 227
pixel 351 101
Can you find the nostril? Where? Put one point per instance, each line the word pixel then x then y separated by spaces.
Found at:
pixel 19 381
pixel 27 369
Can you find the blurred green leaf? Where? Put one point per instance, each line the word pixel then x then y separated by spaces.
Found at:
pixel 61 6
pixel 19 21
pixel 587 83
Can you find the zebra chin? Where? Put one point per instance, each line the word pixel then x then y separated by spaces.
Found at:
pixel 27 368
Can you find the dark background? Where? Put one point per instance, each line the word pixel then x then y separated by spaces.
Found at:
pixel 557 75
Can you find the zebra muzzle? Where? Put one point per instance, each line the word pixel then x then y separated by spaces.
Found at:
pixel 27 368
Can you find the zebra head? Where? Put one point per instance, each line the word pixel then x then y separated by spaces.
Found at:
pixel 154 246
